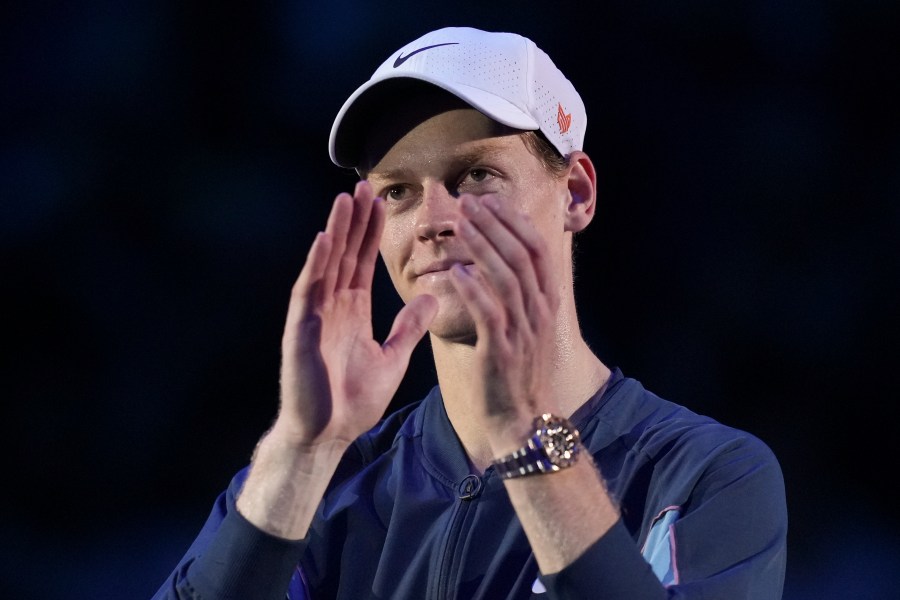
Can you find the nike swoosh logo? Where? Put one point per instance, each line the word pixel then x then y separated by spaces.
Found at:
pixel 402 59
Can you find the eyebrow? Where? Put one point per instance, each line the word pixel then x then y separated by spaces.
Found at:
pixel 386 175
pixel 479 153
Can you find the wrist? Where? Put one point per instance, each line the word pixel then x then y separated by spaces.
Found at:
pixel 508 434
pixel 286 482
pixel 514 428
pixel 279 446
pixel 552 444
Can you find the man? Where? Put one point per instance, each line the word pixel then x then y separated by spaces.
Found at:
pixel 474 183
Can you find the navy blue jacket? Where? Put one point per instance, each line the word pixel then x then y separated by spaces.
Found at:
pixel 702 507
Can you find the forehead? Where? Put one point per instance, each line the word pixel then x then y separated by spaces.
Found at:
pixel 424 121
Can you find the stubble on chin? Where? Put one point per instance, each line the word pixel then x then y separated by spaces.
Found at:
pixel 454 325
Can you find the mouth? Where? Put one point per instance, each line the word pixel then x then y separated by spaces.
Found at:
pixel 441 266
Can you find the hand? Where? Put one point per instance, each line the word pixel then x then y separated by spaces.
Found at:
pixel 336 380
pixel 513 297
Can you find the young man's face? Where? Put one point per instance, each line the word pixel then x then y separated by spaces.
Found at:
pixel 421 174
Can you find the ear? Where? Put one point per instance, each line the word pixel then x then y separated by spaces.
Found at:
pixel 582 183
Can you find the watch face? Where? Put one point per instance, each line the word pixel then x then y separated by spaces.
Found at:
pixel 560 441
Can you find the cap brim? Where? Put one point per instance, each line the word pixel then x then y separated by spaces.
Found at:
pixel 351 125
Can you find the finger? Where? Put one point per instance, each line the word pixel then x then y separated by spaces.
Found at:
pixel 520 226
pixel 368 252
pixel 409 326
pixel 495 270
pixel 529 258
pixel 337 228
pixel 509 247
pixel 485 307
pixel 306 294
pixel 359 223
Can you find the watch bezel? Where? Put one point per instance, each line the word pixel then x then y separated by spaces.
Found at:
pixel 554 445
pixel 559 440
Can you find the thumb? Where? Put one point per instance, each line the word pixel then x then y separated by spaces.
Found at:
pixel 409 326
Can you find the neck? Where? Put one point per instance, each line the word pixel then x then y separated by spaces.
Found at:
pixel 576 375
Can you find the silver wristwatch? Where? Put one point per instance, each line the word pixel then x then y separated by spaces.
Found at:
pixel 553 446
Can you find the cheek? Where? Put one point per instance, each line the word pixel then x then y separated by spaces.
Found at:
pixel 395 242
pixel 544 203
pixel 397 232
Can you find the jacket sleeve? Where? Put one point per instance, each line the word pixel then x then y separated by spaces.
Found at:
pixel 725 539
pixel 232 559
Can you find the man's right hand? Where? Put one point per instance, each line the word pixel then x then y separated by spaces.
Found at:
pixel 336 380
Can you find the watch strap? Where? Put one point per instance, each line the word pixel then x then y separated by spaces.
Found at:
pixel 527 460
pixel 534 457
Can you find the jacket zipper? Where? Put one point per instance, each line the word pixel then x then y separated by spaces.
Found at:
pixel 444 588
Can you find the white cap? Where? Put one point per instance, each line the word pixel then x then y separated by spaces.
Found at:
pixel 503 75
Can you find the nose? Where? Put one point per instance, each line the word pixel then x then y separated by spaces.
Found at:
pixel 436 214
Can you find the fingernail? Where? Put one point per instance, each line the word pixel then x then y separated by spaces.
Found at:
pixel 470 206
pixel 459 270
pixel 492 203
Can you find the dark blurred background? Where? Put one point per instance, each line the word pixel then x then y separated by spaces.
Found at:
pixel 164 168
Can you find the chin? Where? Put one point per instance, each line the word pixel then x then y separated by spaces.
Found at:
pixel 453 325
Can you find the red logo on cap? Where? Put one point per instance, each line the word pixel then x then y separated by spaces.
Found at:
pixel 564 120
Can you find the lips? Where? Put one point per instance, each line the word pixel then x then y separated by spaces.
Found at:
pixel 440 265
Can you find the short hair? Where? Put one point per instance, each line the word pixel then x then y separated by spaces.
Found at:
pixel 555 163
